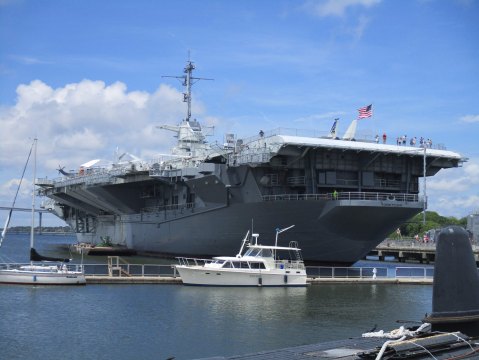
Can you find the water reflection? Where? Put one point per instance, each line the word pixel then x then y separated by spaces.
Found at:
pixel 157 321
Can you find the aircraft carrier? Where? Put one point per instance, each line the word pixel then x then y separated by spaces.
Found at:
pixel 345 195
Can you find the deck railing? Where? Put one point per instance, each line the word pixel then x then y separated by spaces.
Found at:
pixel 373 196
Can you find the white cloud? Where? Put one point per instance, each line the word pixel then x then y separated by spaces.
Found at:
pixel 358 31
pixel 80 140
pixel 79 120
pixel 454 192
pixel 470 118
pixel 330 116
pixel 29 60
pixel 83 121
pixel 352 26
pixel 9 188
pixel 337 7
pixel 471 169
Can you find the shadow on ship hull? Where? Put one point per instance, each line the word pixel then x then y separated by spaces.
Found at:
pixel 329 232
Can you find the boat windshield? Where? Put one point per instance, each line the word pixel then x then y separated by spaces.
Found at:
pixel 259 252
pixel 252 252
pixel 266 253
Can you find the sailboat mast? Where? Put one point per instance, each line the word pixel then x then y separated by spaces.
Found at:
pixel 32 230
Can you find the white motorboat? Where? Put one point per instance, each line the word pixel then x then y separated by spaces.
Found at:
pixel 260 265
pixel 41 270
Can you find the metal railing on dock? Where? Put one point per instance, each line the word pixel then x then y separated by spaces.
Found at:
pixel 313 272
pixel 122 269
pixel 322 272
pixel 118 267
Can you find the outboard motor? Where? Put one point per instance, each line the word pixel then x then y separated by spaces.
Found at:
pixel 455 300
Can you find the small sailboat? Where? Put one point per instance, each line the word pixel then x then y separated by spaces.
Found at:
pixel 41 270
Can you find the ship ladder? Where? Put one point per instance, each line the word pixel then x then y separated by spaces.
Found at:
pixel 114 266
pixel 297 253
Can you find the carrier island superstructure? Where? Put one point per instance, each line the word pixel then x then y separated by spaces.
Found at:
pixel 344 195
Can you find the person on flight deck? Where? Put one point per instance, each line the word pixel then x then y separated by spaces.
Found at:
pixel 335 194
pixel 384 138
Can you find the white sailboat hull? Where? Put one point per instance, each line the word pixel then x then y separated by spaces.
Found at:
pixel 41 275
pixel 200 275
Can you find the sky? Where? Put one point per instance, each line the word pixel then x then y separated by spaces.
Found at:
pixel 85 78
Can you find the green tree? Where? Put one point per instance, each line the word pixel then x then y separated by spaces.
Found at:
pixel 433 221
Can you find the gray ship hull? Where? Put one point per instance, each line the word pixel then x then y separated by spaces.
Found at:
pixel 333 232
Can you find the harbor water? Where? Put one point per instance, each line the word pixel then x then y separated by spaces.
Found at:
pixel 164 321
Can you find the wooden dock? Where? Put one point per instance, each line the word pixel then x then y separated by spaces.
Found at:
pixel 410 250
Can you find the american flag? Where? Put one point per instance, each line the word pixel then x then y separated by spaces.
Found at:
pixel 365 112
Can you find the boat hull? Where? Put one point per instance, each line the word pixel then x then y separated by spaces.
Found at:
pixel 200 276
pixel 14 276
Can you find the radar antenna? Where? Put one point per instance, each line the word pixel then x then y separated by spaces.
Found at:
pixel 188 81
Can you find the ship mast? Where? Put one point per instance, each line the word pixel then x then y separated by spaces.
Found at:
pixel 188 81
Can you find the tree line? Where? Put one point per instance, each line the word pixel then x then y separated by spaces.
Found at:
pixel 46 229
pixel 415 226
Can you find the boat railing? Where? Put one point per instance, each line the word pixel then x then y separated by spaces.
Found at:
pixel 289 264
pixel 47 267
pixel 369 196
pixel 193 261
